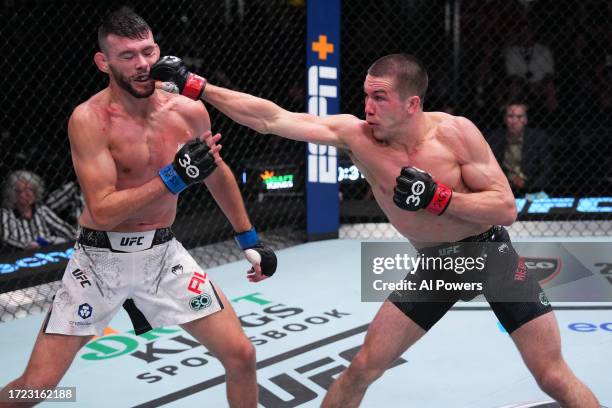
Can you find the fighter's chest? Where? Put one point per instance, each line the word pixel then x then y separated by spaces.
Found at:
pixel 139 145
pixel 382 166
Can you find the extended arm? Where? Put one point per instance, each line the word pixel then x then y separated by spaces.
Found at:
pixel 259 114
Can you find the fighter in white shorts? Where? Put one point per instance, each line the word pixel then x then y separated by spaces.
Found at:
pixel 134 149
pixel 162 284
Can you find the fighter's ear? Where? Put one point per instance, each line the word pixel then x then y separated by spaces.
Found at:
pixel 413 103
pixel 101 63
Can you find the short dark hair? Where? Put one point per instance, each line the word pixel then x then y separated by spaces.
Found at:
pixel 123 22
pixel 408 71
pixel 516 102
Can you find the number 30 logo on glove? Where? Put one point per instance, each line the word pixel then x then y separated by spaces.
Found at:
pixel 417 189
pixel 191 170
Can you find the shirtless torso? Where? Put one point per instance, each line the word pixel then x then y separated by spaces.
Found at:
pixel 441 154
pixel 121 151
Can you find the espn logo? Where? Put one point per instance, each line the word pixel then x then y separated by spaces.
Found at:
pixel 322 160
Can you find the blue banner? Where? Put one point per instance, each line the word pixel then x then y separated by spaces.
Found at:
pixel 323 98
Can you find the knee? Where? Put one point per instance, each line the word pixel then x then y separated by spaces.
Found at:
pixel 364 368
pixel 241 357
pixel 553 380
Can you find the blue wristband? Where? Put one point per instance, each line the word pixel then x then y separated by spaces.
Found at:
pixel 247 239
pixel 172 180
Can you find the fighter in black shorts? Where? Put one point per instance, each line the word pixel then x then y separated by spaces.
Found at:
pixel 514 295
pixel 436 180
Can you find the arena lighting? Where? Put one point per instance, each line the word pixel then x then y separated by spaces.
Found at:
pixel 37 260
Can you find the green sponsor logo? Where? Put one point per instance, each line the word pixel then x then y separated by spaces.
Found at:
pixel 200 302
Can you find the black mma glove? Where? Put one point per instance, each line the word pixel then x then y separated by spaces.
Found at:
pixel 416 189
pixel 192 164
pixel 173 69
pixel 256 253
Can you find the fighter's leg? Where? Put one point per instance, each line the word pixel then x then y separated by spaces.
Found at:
pixel 223 336
pixel 539 343
pixel 49 361
pixel 391 333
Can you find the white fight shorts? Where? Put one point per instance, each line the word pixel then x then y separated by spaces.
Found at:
pixel 149 273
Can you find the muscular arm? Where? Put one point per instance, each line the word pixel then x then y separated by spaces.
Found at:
pixel 97 174
pixel 266 117
pixel 490 200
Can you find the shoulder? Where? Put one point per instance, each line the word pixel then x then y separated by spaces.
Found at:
pixel 536 132
pixel 454 128
pixel 347 123
pixel 461 135
pixel 43 208
pixel 538 137
pixel 88 126
pixel 350 130
pixel 90 113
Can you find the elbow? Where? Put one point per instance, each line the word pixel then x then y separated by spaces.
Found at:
pixel 102 219
pixel 263 126
pixel 509 213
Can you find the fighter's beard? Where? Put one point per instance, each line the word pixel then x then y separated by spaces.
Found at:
pixel 126 85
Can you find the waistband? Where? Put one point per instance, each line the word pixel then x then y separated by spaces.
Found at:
pixel 450 248
pixel 485 236
pixel 124 241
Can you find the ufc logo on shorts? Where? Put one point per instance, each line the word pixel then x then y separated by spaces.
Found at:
pixel 129 241
pixel 197 280
pixel 81 277
pixel 191 170
pixel 449 250
pixel 417 189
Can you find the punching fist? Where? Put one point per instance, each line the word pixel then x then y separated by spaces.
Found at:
pixel 262 258
pixel 193 162
pixel 415 189
pixel 172 69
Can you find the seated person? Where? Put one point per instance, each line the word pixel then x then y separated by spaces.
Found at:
pixel 26 222
pixel 67 201
pixel 524 153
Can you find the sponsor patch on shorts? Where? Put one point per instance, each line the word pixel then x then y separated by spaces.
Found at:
pixel 200 302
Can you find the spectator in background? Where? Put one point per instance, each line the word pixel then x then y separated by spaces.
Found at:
pixel 524 153
pixel 67 201
pixel 26 223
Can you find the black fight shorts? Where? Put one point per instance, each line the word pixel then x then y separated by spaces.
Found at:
pixel 515 296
